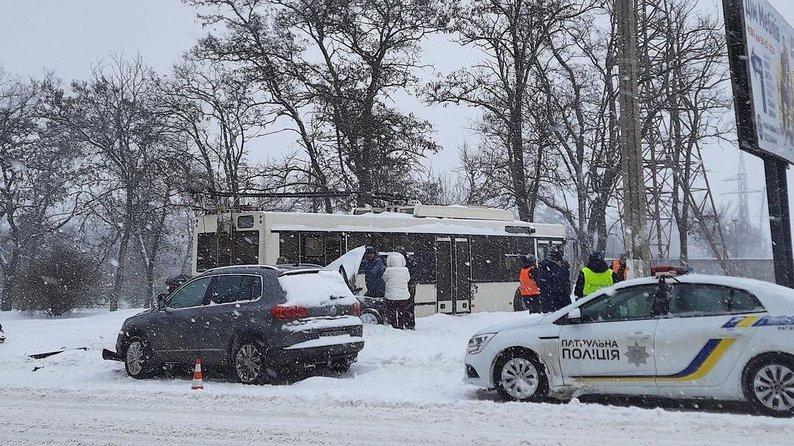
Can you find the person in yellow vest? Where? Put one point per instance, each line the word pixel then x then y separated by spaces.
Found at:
pixel 620 269
pixel 594 276
pixel 528 293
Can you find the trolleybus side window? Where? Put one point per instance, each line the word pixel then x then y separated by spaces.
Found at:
pixel 519 247
pixel 289 246
pixel 496 258
pixel 493 259
pixel 320 248
pixel 543 249
pixel 421 248
pixel 206 251
pixel 312 249
pixel 245 248
pixel 222 249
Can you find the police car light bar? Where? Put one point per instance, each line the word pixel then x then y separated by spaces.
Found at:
pixel 668 271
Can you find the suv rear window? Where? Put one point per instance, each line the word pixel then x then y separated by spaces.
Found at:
pixel 229 288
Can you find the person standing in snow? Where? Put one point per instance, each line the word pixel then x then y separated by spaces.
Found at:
pixel 372 267
pixel 554 280
pixel 594 276
pixel 398 297
pixel 410 314
pixel 527 286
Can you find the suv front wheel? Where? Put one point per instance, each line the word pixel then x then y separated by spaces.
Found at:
pixel 138 359
pixel 249 362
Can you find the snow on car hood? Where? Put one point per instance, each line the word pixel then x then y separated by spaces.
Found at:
pixel 316 289
pixel 349 263
pixel 522 320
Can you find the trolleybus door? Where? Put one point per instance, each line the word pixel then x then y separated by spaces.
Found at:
pixel 453 275
pixel 462 295
pixel 444 274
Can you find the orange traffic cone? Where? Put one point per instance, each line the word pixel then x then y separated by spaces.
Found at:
pixel 198 381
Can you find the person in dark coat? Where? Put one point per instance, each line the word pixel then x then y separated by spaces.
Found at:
pixel 593 276
pixel 554 280
pixel 372 267
pixel 410 314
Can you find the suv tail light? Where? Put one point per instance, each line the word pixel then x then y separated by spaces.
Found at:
pixel 356 309
pixel 285 313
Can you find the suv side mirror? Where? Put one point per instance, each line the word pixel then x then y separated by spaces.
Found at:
pixel 575 315
pixel 161 301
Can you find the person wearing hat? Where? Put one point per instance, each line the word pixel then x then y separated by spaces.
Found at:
pixel 398 296
pixel 372 267
pixel 593 276
pixel 410 263
pixel 527 287
pixel 554 280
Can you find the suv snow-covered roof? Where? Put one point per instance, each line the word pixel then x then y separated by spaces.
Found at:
pixel 239 269
pixel 288 268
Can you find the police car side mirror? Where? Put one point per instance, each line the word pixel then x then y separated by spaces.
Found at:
pixel 575 316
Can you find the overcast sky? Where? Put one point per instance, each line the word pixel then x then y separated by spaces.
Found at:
pixel 68 37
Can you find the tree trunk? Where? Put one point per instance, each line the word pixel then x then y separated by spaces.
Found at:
pixel 149 285
pixel 8 282
pixel 597 224
pixel 120 263
pixel 517 172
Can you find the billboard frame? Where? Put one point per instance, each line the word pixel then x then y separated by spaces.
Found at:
pixel 774 166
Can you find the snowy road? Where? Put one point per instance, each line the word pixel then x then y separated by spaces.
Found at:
pixel 406 388
pixel 35 417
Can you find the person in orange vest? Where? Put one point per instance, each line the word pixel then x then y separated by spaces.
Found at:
pixel 528 290
pixel 620 269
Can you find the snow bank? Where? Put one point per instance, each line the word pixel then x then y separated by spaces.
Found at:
pixel 316 289
pixel 407 387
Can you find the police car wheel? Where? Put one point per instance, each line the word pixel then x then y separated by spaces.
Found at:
pixel 520 377
pixel 139 360
pixel 769 384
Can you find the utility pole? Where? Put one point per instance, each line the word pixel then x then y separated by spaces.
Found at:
pixel 630 144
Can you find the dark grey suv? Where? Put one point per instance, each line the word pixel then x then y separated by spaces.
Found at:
pixel 256 321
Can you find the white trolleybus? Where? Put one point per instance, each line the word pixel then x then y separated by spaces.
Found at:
pixel 466 257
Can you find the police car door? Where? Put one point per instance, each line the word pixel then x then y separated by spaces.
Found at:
pixel 612 346
pixel 705 331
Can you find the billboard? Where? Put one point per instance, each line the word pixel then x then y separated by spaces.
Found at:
pixel 769 58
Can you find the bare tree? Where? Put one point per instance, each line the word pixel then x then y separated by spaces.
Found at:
pixel 513 35
pixel 217 111
pixel 579 82
pixel 115 117
pixel 331 67
pixel 40 178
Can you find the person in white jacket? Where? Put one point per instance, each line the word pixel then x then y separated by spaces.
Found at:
pixel 397 293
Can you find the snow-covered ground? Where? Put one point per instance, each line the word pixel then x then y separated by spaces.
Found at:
pixel 406 388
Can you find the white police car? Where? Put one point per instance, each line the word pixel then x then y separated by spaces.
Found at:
pixel 691 336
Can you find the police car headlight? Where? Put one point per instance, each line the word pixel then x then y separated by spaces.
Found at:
pixel 478 342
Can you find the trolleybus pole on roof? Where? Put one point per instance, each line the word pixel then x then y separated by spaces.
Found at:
pixel 760 44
